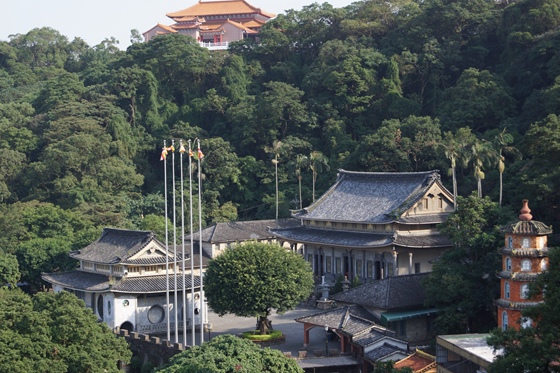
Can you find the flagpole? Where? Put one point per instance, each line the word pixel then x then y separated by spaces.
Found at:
pixel 164 158
pixel 192 245
pixel 174 244
pixel 200 155
pixel 181 151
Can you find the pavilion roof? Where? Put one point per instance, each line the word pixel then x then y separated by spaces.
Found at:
pixel 225 7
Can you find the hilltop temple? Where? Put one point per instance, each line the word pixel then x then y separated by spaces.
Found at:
pixel 215 23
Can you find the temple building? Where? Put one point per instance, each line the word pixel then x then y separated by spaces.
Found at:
pixel 373 225
pixel 214 24
pixel 524 257
pixel 124 276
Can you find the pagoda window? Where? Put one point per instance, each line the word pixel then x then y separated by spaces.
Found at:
pixel 510 242
pixel 504 321
pixel 543 264
pixel 369 269
pixel 524 290
pixel 87 265
pixel 506 290
pixel 525 243
pixel 507 264
pixel 526 322
pixel 525 265
pixel 328 264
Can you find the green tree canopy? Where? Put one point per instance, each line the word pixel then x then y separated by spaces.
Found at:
pixel 55 333
pixel 253 278
pixel 462 284
pixel 230 354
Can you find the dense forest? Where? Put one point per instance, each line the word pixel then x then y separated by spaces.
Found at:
pixel 468 87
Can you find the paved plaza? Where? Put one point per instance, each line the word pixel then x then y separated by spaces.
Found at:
pixel 231 324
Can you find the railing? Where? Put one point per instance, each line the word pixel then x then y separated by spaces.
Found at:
pixel 214 46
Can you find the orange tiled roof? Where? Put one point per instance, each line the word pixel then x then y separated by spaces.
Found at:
pixel 240 25
pixel 224 7
pixel 164 27
pixel 419 361
pixel 253 23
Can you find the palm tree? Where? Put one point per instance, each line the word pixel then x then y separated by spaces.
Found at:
pixel 454 148
pixel 481 153
pixel 501 142
pixel 275 149
pixel 317 161
pixel 301 162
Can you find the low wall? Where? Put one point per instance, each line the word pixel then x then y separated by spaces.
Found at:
pixel 150 348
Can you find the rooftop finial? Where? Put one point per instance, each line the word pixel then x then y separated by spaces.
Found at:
pixel 525 211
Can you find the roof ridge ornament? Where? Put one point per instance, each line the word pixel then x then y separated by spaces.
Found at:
pixel 525 211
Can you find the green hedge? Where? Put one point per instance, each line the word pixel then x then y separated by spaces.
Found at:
pixel 256 336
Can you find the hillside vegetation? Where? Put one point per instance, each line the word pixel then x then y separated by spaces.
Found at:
pixel 469 86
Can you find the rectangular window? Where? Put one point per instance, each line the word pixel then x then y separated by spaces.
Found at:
pixel 328 264
pixel 525 243
pixel 416 267
pixel 389 269
pixel 359 268
pixel 338 263
pixel 369 269
pixel 310 258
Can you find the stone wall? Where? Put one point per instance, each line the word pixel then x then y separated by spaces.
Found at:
pixel 149 348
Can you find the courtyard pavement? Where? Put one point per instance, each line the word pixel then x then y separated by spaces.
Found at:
pixel 231 324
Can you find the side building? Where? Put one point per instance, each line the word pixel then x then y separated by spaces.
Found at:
pixel 373 225
pixel 123 277
pixel 215 23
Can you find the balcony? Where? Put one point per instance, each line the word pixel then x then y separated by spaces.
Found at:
pixel 214 46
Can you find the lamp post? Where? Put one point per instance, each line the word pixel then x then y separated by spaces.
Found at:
pixel 326 340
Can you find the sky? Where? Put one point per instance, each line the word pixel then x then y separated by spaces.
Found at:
pixel 97 20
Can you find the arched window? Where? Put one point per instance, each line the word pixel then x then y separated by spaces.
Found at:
pixel 543 264
pixel 506 290
pixel 100 305
pixel 510 242
pixel 508 264
pixel 524 291
pixel 504 321
pixel 525 243
pixel 526 265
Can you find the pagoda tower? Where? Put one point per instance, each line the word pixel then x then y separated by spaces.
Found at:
pixel 524 256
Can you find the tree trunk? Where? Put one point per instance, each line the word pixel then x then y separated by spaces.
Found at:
pixel 264 325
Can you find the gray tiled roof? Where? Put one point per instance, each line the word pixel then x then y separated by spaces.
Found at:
pixel 382 352
pixel 240 231
pixel 340 318
pixel 370 197
pixel 422 240
pixel 387 294
pixel 78 280
pixel 153 284
pixel 329 361
pixel 318 236
pixel 115 246
pixel 94 282
pixel 531 227
pixel 375 334
pixel 304 234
